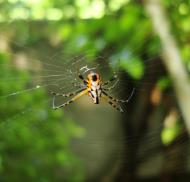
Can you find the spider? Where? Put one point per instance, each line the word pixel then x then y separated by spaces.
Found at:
pixel 95 88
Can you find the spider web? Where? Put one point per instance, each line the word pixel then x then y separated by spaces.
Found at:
pixel 40 74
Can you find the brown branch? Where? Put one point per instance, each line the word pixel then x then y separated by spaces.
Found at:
pixel 171 59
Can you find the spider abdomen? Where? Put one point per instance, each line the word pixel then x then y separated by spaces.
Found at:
pixel 95 92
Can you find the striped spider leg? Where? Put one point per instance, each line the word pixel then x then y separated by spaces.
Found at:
pixel 111 100
pixel 119 100
pixel 114 104
pixel 77 94
pixel 82 78
pixel 110 80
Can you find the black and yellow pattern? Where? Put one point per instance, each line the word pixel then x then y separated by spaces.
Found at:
pixel 94 87
pixel 81 93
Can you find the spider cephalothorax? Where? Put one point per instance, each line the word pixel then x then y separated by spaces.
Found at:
pixel 95 88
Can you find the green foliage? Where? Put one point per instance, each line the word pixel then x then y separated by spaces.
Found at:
pixel 170 133
pixel 164 83
pixel 34 140
pixel 180 17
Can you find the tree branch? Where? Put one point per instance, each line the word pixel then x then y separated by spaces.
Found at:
pixel 171 59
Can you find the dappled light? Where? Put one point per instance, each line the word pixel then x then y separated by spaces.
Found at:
pixel 94 90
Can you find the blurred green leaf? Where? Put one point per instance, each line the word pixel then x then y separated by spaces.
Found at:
pixel 169 134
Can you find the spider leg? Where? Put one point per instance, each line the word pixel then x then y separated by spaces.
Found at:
pixel 68 94
pixel 113 103
pixel 82 78
pixel 81 93
pixel 119 100
pixel 110 88
pixel 110 80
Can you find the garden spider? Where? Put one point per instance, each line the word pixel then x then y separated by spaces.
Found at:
pixel 95 88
